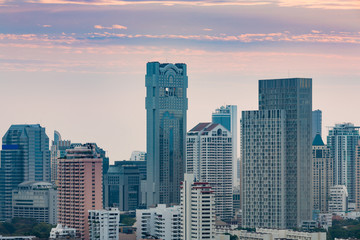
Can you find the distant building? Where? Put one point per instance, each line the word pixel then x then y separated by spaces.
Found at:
pixel 36 200
pixel 322 174
pixel 122 187
pixel 270 234
pixel 58 148
pixel 227 117
pixel 166 107
pixel 62 232
pixel 209 157
pixel 338 199
pixel 25 156
pixel 79 187
pixel 104 224
pixel 160 223
pixel 17 237
pixel 357 174
pixel 342 141
pixel 316 123
pixel 138 156
pixel 197 209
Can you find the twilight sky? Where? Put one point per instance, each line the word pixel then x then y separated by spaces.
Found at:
pixel 78 66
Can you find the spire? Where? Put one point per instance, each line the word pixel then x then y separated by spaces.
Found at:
pixel 318 140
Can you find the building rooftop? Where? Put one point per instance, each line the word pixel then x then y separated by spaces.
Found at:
pixel 318 141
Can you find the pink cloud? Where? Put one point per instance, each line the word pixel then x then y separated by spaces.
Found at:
pixel 115 26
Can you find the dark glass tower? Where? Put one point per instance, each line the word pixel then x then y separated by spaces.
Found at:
pixel 294 95
pixel 166 106
pixel 25 156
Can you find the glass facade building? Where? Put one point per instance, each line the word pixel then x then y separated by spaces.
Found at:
pixel 25 156
pixel 316 123
pixel 166 107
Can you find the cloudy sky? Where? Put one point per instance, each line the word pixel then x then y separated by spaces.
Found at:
pixel 79 66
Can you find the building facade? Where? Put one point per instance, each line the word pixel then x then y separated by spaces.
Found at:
pixel 25 156
pixel 36 200
pixel 166 107
pixel 316 123
pixel 263 168
pixel 209 157
pixel 338 199
pixel 79 187
pixel 104 224
pixel 122 187
pixel 160 223
pixel 357 174
pixel 294 95
pixel 57 151
pixel 342 141
pixel 322 174
pixel 227 117
pixel 197 209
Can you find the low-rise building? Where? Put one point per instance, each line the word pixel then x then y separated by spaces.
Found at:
pixel 62 232
pixel 36 200
pixel 104 224
pixel 272 234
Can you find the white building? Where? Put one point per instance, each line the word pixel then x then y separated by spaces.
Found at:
pixel 209 157
pixel 160 222
pixel 197 209
pixel 338 199
pixel 37 200
pixel 62 232
pixel 104 224
pixel 138 156
pixel 272 234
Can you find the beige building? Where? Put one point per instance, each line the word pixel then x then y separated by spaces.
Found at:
pixel 274 234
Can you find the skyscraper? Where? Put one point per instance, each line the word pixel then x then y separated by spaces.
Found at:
pixel 227 117
pixel 316 123
pixel 25 156
pixel 357 177
pixel 342 141
pixel 322 174
pixel 209 158
pixel 166 106
pixel 289 106
pixel 79 187
pixel 58 148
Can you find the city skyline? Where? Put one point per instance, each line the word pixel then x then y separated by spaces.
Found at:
pixel 86 59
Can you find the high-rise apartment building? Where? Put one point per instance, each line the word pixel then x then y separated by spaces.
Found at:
pixel 104 224
pixel 159 223
pixel 166 106
pixel 25 156
pixel 285 108
pixel 264 168
pixel 342 141
pixel 316 123
pixel 357 178
pixel 209 157
pixel 58 149
pixel 227 117
pixel 322 174
pixel 79 187
pixel 197 209
pixel 35 200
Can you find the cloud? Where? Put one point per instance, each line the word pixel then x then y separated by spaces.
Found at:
pixel 115 26
pixel 207 29
pixel 46 26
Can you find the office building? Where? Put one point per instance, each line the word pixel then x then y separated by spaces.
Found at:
pixel 166 107
pixel 227 117
pixel 209 157
pixel 36 200
pixel 159 223
pixel 197 209
pixel 276 155
pixel 122 187
pixel 338 199
pixel 316 123
pixel 79 187
pixel 342 141
pixel 138 156
pixel 25 156
pixel 104 224
pixel 57 151
pixel 322 174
